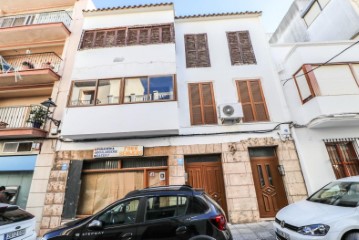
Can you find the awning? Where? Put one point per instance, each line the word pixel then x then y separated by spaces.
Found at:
pixel 17 163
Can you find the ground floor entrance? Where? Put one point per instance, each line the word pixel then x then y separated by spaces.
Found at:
pixel 271 195
pixel 206 172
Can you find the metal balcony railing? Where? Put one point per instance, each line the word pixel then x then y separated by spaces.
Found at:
pixel 36 18
pixel 17 117
pixel 30 61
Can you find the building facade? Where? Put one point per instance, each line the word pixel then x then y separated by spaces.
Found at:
pixel 319 75
pixel 36 41
pixel 157 99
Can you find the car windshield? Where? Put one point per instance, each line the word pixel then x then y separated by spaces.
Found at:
pixel 11 215
pixel 344 194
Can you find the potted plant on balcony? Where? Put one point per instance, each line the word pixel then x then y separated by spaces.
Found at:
pixel 47 65
pixel 27 65
pixel 37 116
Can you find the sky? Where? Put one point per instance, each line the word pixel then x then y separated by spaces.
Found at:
pixel 273 10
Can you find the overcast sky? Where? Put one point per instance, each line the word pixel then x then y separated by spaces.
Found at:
pixel 273 10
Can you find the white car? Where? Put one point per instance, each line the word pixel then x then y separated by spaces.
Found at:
pixel 332 213
pixel 16 224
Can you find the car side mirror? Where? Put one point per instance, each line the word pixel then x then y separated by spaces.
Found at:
pixel 95 225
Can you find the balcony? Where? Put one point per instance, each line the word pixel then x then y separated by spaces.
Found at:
pixel 121 121
pixel 31 29
pixel 21 71
pixel 13 7
pixel 13 123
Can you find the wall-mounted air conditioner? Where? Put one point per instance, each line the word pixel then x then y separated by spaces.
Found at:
pixel 230 113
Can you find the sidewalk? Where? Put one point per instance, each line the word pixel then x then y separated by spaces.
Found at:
pixel 253 231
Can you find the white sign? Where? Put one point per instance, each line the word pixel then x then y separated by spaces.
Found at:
pixel 108 152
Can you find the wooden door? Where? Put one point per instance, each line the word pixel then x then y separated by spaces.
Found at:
pixel 208 176
pixel 269 185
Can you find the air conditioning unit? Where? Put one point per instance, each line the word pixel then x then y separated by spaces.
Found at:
pixel 230 112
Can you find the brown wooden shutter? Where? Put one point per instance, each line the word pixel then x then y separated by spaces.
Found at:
pixel 252 100
pixel 87 40
pixel 121 37
pixel 202 104
pixel 99 39
pixel 110 38
pixel 132 36
pixel 166 34
pixel 197 53
pixel 155 35
pixel 240 48
pixel 144 36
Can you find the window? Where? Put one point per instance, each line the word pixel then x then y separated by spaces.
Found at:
pixel 252 100
pixel 148 89
pixel 107 91
pixel 344 159
pixel 83 93
pixel 118 37
pixel 202 104
pixel 240 48
pixel 165 207
pixel 328 80
pixel 123 213
pixel 197 206
pixel 197 53
pixel 314 10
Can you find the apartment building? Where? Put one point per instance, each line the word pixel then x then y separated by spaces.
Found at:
pixel 319 72
pixel 36 45
pixel 159 99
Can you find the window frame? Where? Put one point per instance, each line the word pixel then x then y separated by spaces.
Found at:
pixel 342 163
pixel 121 91
pixel 207 50
pixel 312 80
pixel 252 103
pixel 127 29
pixel 233 63
pixel 201 103
pixel 307 10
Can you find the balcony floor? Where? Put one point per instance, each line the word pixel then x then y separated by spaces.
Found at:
pixel 13 133
pixel 20 36
pixel 18 6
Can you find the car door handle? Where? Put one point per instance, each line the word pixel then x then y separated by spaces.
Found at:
pixel 181 230
pixel 126 236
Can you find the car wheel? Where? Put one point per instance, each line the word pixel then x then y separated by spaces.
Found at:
pixel 352 236
pixel 202 238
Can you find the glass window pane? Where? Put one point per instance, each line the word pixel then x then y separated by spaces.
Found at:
pixel 260 174
pixel 336 80
pixel 83 93
pixel 108 91
pixel 161 88
pixel 312 14
pixel 136 90
pixel 123 213
pixel 269 174
pixel 303 85
pixel 262 152
pixel 165 207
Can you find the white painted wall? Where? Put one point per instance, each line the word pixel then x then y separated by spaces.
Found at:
pixel 338 21
pixel 127 120
pixel 313 53
pixel 222 74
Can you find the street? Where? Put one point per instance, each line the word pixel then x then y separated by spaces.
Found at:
pixel 253 231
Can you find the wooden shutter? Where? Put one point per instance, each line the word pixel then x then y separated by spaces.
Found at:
pixel 132 37
pixel 144 36
pixel 110 38
pixel 252 100
pixel 166 34
pixel 240 48
pixel 87 40
pixel 197 53
pixel 155 35
pixel 121 37
pixel 99 39
pixel 202 104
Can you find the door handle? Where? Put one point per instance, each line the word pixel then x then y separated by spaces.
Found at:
pixel 181 230
pixel 126 236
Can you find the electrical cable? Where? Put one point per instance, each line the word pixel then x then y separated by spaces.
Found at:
pixel 320 65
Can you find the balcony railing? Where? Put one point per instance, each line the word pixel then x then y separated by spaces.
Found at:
pixel 17 117
pixel 30 61
pixel 36 18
